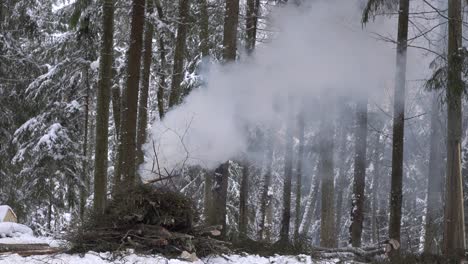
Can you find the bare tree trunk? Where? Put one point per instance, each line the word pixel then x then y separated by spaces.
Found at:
pixel 143 99
pixel 251 21
pixel 85 176
pixel 379 148
pixel 117 113
pixel 269 220
pixel 204 30
pixel 435 180
pixel 231 19
pixel 300 157
pixel 265 199
pixel 243 206
pixel 130 96
pixel 102 116
pixel 341 178
pixel 217 215
pixel 163 72
pixel 359 184
pixel 311 207
pixel 179 53
pixel 454 227
pixel 396 193
pixel 288 159
pixel 207 202
pixel 205 50
pixel 327 223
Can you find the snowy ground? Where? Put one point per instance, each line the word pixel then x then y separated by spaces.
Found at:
pixel 105 258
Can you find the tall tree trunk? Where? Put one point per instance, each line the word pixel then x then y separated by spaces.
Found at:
pixel 163 71
pixel 300 157
pixel 265 199
pixel 117 113
pixel 204 30
pixel 341 178
pixel 143 99
pixel 102 115
pixel 231 19
pixel 179 53
pixel 396 192
pixel 376 190
pixel 205 50
pixel 207 201
pixel 311 207
pixel 243 205
pixel 327 223
pixel 454 227
pixel 85 176
pixel 359 184
pixel 435 180
pixel 251 22
pixel 217 215
pixel 288 170
pixel 130 96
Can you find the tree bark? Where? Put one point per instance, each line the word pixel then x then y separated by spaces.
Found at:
pixel 265 199
pixel 288 170
pixel 102 115
pixel 341 180
pixel 454 227
pixel 205 50
pixel 435 180
pixel 217 215
pixel 179 53
pixel 327 223
pixel 116 111
pixel 311 207
pixel 378 151
pixel 163 73
pixel 207 202
pixel 251 22
pixel 143 99
pixel 359 184
pixel 231 19
pixel 300 157
pixel 396 193
pixel 243 205
pixel 130 96
pixel 85 177
pixel 204 30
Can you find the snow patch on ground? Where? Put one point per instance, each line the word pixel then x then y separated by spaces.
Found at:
pixel 9 229
pixel 130 258
pixel 105 258
pixel 30 239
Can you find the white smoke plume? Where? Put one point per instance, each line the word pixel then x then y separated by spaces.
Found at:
pixel 321 50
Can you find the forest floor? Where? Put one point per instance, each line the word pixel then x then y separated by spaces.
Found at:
pixel 131 258
pixel 106 258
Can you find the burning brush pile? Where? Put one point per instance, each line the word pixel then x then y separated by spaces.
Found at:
pixel 148 220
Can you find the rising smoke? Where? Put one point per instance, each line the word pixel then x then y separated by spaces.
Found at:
pixel 319 52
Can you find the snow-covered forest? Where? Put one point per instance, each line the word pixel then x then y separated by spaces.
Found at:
pixel 325 130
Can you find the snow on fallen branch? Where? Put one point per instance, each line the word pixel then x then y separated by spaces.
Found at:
pixel 361 254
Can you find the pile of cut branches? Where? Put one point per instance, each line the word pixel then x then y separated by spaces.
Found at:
pixel 148 220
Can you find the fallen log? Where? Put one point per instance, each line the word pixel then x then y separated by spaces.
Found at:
pixel 29 249
pixel 19 247
pixel 208 230
pixel 365 254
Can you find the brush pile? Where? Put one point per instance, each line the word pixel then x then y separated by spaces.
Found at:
pixel 148 220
